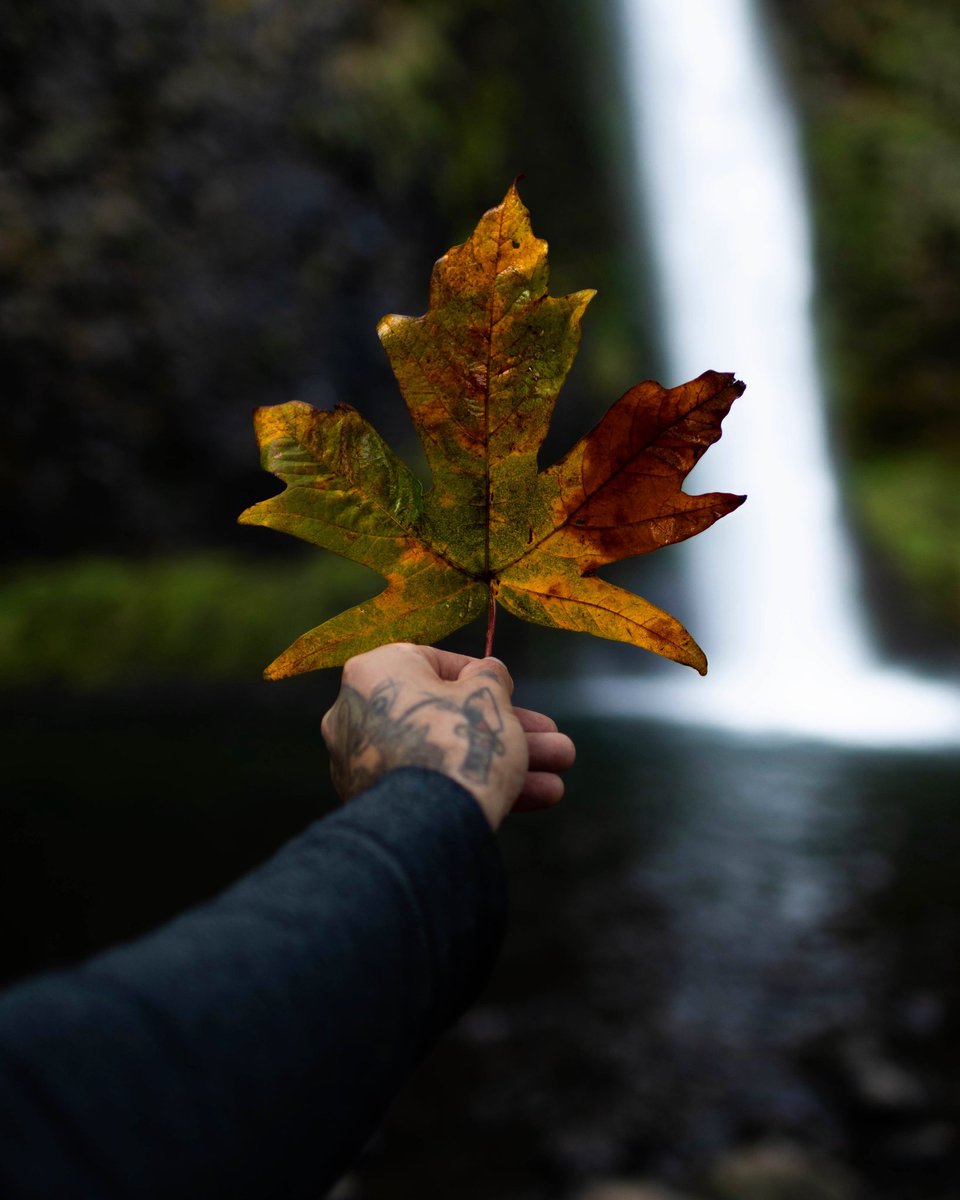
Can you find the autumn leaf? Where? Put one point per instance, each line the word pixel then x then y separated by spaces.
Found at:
pixel 480 373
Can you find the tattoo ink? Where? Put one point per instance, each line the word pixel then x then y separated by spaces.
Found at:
pixel 482 731
pixel 375 741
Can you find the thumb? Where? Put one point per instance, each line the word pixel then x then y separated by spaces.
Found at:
pixel 488 668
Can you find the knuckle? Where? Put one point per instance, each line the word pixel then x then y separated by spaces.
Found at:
pixel 500 669
pixel 360 665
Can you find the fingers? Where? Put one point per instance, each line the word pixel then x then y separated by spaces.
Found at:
pixel 550 752
pixel 459 667
pixel 446 664
pixel 541 790
pixel 491 668
pixel 535 722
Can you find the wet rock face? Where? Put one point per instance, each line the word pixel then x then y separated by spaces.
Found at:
pixel 876 1079
pixel 624 1189
pixel 779 1171
pixel 208 207
pixel 875 87
pixel 774 1170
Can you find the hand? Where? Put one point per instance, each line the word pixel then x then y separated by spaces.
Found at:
pixel 415 706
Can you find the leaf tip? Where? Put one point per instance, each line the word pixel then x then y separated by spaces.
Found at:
pixel 390 324
pixel 275 670
pixel 693 657
pixel 582 298
pixel 512 205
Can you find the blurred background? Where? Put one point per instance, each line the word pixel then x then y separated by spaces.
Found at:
pixel 731 965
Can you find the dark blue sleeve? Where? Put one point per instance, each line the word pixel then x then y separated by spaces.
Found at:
pixel 249 1048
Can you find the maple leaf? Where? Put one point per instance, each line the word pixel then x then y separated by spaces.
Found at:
pixel 480 372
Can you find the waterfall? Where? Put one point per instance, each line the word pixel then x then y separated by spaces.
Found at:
pixel 772 595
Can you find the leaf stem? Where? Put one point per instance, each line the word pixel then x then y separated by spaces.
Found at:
pixel 491 622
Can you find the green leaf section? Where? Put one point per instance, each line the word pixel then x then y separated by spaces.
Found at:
pixel 346 489
pixel 427 603
pixel 480 372
pixel 348 492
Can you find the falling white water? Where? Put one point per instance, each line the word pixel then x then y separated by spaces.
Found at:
pixel 773 598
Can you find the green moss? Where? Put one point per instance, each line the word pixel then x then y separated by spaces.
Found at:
pixel 910 508
pixel 878 94
pixel 97 622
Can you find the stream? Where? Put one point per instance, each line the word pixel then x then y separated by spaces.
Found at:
pixel 714 940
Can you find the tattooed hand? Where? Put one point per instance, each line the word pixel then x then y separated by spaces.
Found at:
pixel 406 705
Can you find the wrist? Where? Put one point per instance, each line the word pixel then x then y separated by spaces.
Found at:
pixel 492 807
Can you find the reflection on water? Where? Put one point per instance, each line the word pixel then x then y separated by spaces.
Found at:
pixel 714 941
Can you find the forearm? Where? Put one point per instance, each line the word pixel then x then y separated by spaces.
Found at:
pixel 249 1048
